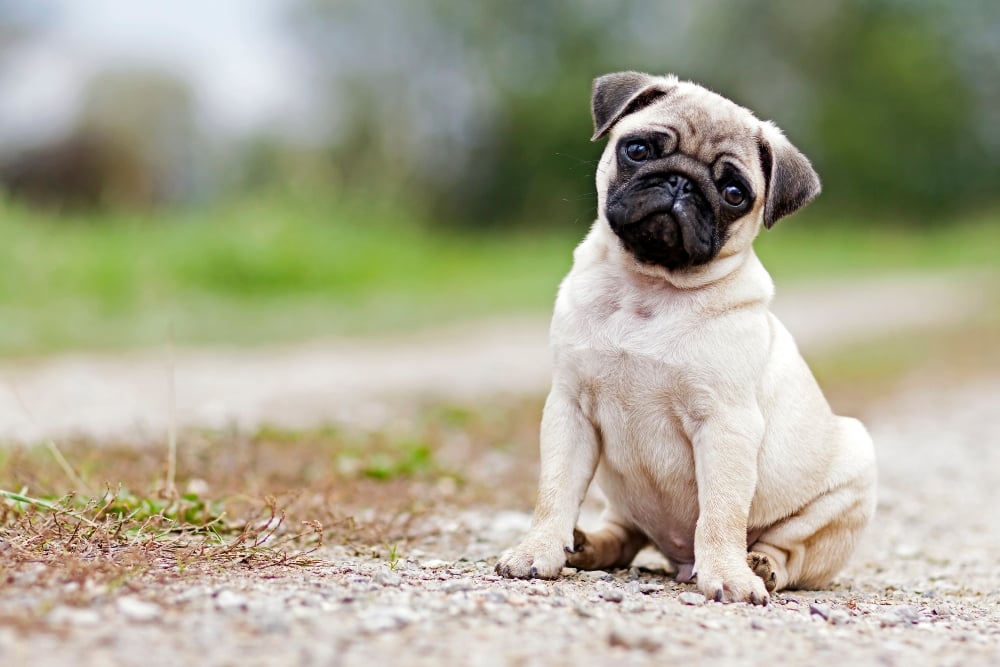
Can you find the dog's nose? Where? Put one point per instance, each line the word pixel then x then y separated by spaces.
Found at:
pixel 678 185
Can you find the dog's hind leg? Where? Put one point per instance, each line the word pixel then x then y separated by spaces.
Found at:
pixel 808 548
pixel 612 545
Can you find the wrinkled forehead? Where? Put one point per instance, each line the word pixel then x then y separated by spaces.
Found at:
pixel 706 125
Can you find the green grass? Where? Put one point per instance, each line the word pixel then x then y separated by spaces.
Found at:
pixel 255 271
pixel 279 268
pixel 804 248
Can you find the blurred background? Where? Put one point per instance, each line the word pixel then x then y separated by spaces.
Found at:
pixel 246 171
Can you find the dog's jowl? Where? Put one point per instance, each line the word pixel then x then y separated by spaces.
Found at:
pixel 674 386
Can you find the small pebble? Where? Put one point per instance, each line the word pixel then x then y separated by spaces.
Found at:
pixel 942 610
pixel 691 598
pixel 457 586
pixel 908 614
pixel 613 595
pixel 72 616
pixel 271 621
pixel 386 577
pixel 138 610
pixel 839 617
pixel 821 610
pixel 646 589
pixel 228 600
pixel 384 619
pixel 631 639
pixel 434 564
pixel 496 597
pixel 889 619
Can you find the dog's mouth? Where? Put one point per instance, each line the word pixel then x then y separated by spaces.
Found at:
pixel 674 233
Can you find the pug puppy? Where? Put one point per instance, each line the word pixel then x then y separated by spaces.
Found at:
pixel 673 383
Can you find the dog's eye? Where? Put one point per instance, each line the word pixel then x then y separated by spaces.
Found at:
pixel 638 151
pixel 733 195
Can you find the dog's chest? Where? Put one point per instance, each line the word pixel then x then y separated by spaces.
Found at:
pixel 623 349
pixel 630 370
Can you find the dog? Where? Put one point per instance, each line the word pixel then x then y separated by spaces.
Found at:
pixel 674 386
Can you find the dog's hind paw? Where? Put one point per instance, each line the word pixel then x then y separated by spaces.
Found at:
pixel 761 566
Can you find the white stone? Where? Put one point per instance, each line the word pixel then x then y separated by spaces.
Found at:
pixel 691 598
pixel 135 609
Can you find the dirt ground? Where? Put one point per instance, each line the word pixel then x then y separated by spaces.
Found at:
pixel 923 588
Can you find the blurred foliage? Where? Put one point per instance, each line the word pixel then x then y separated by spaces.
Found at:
pixel 892 120
pixel 293 266
pixel 278 266
pixel 478 112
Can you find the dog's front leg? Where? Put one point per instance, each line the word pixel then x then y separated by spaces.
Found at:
pixel 569 455
pixel 725 454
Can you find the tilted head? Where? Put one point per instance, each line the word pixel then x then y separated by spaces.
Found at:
pixel 689 176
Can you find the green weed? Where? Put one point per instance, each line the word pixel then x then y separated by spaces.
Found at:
pixel 393 557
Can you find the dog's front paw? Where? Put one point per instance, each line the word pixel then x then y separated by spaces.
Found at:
pixel 533 559
pixel 735 584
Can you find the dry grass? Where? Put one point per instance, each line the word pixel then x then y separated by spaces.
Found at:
pixel 104 518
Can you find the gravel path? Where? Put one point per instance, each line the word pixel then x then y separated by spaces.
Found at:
pixel 924 589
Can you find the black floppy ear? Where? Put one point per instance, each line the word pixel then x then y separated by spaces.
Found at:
pixel 619 94
pixel 791 181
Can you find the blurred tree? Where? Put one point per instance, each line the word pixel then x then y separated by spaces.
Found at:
pixel 147 116
pixel 74 172
pixel 132 146
pixel 478 112
pixel 876 95
pixel 477 109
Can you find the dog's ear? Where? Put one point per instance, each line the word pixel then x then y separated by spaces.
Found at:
pixel 791 182
pixel 619 94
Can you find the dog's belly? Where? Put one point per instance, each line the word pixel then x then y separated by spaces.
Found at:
pixel 646 469
pixel 666 517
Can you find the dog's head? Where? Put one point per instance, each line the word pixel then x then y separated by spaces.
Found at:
pixel 688 175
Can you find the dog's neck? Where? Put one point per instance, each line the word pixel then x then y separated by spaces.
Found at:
pixel 735 266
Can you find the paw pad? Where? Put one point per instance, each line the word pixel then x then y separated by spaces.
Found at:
pixel 761 566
